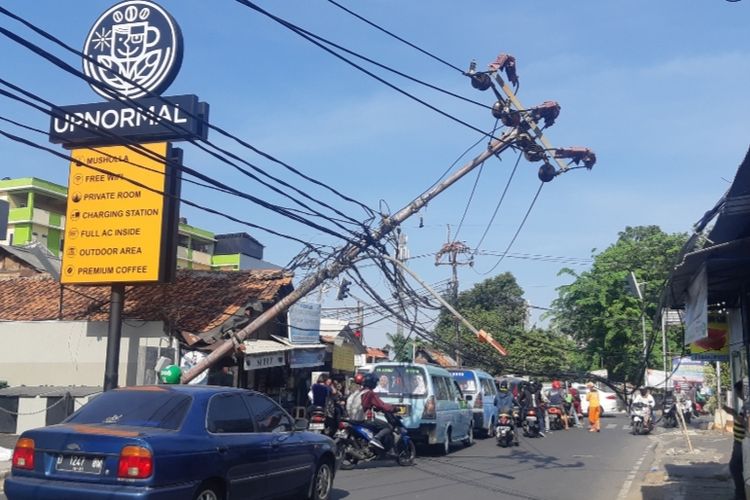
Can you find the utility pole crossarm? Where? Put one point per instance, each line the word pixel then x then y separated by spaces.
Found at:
pixel 349 254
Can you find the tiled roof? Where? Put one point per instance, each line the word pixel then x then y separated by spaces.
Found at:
pixel 374 352
pixel 198 301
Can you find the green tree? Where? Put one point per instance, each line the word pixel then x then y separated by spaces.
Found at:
pixel 401 346
pixel 600 312
pixel 496 305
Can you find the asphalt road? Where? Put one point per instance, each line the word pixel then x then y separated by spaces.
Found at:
pixel 574 464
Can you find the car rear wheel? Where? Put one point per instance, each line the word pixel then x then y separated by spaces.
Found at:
pixel 209 491
pixel 447 443
pixel 469 440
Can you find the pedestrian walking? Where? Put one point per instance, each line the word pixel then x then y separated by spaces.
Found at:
pixel 735 463
pixel 594 409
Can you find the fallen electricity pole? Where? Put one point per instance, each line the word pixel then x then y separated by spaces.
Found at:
pixel 523 133
pixel 350 253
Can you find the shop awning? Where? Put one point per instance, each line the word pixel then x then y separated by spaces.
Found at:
pixel 264 347
pixel 727 266
pixel 261 354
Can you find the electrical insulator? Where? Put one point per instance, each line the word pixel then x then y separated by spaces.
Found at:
pixel 547 172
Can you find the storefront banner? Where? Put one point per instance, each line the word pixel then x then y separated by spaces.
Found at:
pixel 686 370
pixel 343 358
pixel 696 308
pixel 714 347
pixel 306 358
pixel 304 323
pixel 259 361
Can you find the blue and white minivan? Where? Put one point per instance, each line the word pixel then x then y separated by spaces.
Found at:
pixel 429 401
pixel 480 392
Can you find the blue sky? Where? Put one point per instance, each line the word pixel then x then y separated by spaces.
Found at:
pixel 657 89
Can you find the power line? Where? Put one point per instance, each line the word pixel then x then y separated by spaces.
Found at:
pixel 429 54
pixel 500 202
pixel 218 129
pixel 138 148
pixel 309 38
pixel 518 231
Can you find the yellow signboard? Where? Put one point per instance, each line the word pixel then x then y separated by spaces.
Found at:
pixel 343 358
pixel 115 220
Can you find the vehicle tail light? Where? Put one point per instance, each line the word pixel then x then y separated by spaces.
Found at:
pixel 503 419
pixel 531 413
pixel 318 418
pixel 343 425
pixel 136 462
pixel 611 396
pixel 369 415
pixel 478 401
pixel 23 454
pixel 429 408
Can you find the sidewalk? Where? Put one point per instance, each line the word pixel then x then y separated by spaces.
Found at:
pixel 7 443
pixel 677 474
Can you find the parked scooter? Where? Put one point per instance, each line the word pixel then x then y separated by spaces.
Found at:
pixel 353 443
pixel 505 431
pixel 640 418
pixel 531 423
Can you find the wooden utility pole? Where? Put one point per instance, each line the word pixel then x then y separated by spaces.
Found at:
pixel 351 252
pixel 451 250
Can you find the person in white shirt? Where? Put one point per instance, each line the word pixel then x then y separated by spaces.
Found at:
pixel 645 397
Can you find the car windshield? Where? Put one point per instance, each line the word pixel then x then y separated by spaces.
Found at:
pixel 465 381
pixel 400 381
pixel 161 409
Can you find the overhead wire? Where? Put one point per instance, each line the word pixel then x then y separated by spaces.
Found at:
pixel 301 33
pixel 518 231
pixel 400 39
pixel 218 129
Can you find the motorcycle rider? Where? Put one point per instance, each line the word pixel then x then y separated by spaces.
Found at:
pixel 557 399
pixel 530 397
pixel 505 403
pixel 371 401
pixel 643 396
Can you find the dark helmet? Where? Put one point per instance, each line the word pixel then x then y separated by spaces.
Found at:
pixel 359 378
pixel 370 381
pixel 504 386
pixel 643 391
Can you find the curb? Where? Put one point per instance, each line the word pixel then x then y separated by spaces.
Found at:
pixel 3 475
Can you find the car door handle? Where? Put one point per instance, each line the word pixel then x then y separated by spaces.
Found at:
pixel 222 449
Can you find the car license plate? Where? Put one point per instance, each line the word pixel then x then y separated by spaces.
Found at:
pixel 316 427
pixel 79 463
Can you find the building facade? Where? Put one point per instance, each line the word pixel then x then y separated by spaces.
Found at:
pixel 37 215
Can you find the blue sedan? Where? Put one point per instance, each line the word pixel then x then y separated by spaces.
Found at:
pixel 173 442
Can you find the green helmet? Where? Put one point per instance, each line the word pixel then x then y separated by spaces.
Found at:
pixel 170 374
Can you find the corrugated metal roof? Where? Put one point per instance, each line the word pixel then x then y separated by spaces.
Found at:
pixel 49 391
pixel 264 346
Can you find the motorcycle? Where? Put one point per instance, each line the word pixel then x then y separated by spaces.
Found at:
pixel 353 443
pixel 317 420
pixel 640 419
pixel 668 413
pixel 505 432
pixel 531 423
pixel 555 418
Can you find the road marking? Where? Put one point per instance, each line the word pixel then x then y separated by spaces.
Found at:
pixel 625 427
pixel 631 477
pixel 611 426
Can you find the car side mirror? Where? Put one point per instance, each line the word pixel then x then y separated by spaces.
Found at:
pixel 301 424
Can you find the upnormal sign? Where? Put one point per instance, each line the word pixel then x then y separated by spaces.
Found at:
pixel 121 205
pixel 132 53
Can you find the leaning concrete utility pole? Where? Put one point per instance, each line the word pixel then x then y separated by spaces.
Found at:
pixel 350 253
